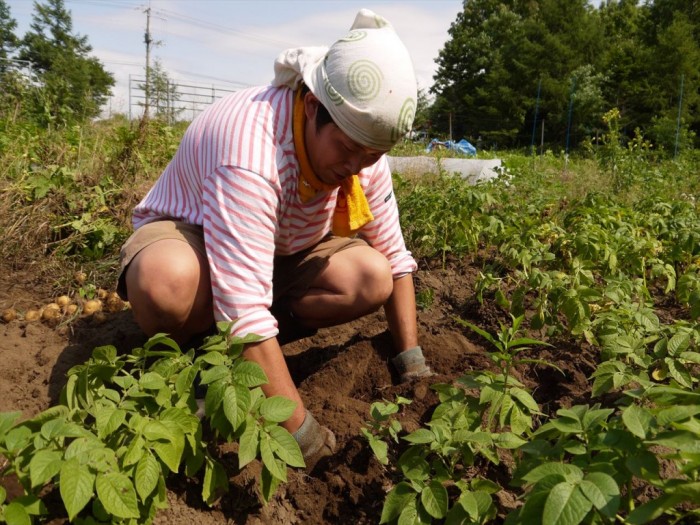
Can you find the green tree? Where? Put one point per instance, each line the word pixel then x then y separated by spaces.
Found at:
pixel 8 39
pixel 562 47
pixel 624 59
pixel 422 119
pixel 673 36
pixel 497 55
pixel 471 70
pixel 75 85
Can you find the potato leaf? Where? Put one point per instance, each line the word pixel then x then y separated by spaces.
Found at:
pixel 434 499
pixel 602 491
pixel 277 409
pixel 146 475
pixel 44 465
pixel 397 499
pixel 76 486
pixel 117 495
pixel 566 505
pixel 286 447
pixel 637 420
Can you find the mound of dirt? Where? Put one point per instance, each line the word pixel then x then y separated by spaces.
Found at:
pixel 339 371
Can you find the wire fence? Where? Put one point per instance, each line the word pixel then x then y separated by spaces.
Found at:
pixel 174 100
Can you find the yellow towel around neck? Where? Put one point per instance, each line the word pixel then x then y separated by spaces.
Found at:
pixel 352 209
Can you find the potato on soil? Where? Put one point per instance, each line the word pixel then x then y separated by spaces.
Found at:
pixel 32 315
pixel 114 303
pixel 102 294
pixel 80 277
pixel 70 309
pixel 51 312
pixel 92 306
pixel 63 301
pixel 8 315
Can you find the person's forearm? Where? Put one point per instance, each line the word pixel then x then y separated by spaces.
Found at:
pixel 401 314
pixel 268 355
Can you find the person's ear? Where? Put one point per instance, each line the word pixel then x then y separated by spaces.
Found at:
pixel 310 106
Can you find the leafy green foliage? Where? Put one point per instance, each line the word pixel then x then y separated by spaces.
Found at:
pixel 126 421
pixel 510 405
pixel 437 457
pixel 445 217
pixel 67 194
pixel 383 427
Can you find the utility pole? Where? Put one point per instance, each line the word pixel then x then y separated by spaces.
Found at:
pixel 147 40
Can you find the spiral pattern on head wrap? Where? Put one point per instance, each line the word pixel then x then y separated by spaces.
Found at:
pixel 354 36
pixel 406 116
pixel 332 93
pixel 364 79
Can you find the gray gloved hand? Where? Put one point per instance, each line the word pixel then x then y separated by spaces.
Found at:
pixel 315 441
pixel 410 364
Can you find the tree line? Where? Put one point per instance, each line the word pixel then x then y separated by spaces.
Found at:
pixel 514 71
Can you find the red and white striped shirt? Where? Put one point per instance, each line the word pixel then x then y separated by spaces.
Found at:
pixel 235 173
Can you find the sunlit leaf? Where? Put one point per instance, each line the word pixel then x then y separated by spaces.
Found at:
pixel 117 494
pixel 565 505
pixel 76 484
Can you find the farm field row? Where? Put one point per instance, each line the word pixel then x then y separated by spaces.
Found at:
pixel 559 310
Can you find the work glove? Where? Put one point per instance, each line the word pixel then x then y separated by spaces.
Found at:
pixel 315 441
pixel 410 364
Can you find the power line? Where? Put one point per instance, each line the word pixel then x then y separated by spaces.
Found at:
pixel 221 28
pixel 187 19
pixel 209 77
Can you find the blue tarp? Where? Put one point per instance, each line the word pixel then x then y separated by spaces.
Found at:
pixel 463 146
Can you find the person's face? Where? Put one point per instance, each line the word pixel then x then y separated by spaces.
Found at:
pixel 333 155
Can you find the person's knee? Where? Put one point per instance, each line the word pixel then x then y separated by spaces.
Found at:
pixel 162 297
pixel 377 281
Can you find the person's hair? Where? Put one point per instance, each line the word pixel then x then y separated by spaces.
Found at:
pixel 323 117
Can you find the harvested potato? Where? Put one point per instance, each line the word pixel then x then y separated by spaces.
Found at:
pixel 9 315
pixel 63 301
pixel 114 303
pixel 92 306
pixel 51 312
pixel 32 315
pixel 70 309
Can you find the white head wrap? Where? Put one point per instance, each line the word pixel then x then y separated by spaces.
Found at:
pixel 365 80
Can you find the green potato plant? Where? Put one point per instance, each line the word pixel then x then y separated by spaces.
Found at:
pixel 510 404
pixel 383 426
pixel 126 422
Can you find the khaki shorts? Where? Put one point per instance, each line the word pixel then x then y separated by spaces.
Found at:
pixel 292 274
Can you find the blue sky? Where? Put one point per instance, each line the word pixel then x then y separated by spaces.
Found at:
pixel 233 43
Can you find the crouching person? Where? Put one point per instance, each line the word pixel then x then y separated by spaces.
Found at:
pixel 277 211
